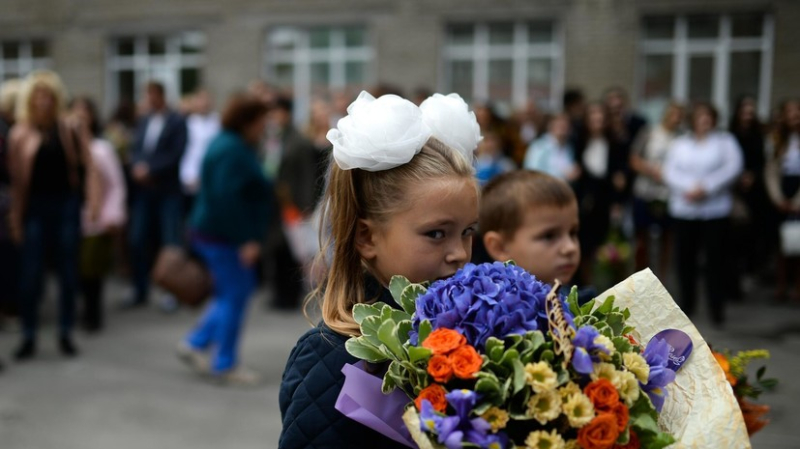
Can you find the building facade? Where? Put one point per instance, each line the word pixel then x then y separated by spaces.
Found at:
pixel 506 51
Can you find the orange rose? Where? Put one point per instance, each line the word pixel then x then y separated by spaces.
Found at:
pixel 600 433
pixel 602 394
pixel 442 341
pixel 726 367
pixel 633 443
pixel 440 369
pixel 465 361
pixel 621 412
pixel 435 394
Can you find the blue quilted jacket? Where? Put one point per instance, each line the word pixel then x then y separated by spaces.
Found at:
pixel 311 384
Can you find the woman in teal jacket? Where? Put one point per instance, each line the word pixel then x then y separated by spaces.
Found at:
pixel 228 222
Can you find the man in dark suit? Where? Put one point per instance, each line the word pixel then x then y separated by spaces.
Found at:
pixel 157 202
pixel 297 187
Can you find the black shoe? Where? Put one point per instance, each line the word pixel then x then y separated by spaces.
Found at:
pixel 67 347
pixel 26 350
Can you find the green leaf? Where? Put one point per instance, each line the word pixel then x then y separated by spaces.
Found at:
pixel 361 311
pixel 606 308
pixel 548 355
pixel 362 349
pixel 408 298
pixel 510 262
pixel 403 328
pixel 760 372
pixel 519 375
pixel 424 331
pixel 587 308
pixel 572 301
pixel 418 353
pixel 616 321
pixel 388 336
pixel 388 384
pixel 487 386
pixel 622 344
pixel 396 286
pixel 369 329
pixel 509 358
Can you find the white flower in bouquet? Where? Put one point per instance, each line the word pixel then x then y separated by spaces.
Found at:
pixel 605 342
pixel 606 371
pixel 569 389
pixel 540 377
pixel 496 417
pixel 579 410
pixel 545 407
pixel 636 364
pixel 628 387
pixel 540 439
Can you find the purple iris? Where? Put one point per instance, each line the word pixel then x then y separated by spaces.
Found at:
pixel 586 350
pixel 482 301
pixel 453 431
pixel 657 356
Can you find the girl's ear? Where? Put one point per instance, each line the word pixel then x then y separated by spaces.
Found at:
pixel 495 246
pixel 365 238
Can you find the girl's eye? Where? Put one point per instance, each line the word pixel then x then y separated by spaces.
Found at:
pixel 548 236
pixel 470 231
pixel 437 234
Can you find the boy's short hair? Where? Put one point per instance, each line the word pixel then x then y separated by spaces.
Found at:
pixel 506 198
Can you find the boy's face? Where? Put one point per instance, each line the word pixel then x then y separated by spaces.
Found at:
pixel 546 245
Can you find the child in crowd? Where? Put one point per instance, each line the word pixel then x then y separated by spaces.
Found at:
pixel 401 200
pixel 531 218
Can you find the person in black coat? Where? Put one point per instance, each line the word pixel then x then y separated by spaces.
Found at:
pixel 158 146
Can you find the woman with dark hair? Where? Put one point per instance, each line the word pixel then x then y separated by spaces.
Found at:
pixel 700 170
pixel 756 220
pixel 228 222
pixel 50 166
pixel 782 178
pixel 602 185
pixel 97 247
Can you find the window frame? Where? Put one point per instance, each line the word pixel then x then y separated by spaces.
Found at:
pixel 146 66
pixel 681 47
pixel 25 62
pixel 519 52
pixel 302 56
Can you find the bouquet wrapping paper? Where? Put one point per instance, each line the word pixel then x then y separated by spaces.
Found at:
pixel 701 411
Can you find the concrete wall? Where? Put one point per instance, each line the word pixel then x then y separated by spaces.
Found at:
pixel 600 36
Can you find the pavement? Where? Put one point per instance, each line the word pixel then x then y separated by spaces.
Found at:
pixel 127 390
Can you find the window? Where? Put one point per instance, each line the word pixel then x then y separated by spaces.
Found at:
pixel 175 60
pixel 316 60
pixel 505 62
pixel 715 58
pixel 20 57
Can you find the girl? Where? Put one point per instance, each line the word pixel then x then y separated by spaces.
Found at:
pixel 401 200
pixel 97 246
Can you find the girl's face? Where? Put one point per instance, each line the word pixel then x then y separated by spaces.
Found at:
pixel 703 121
pixel 81 112
pixel 429 240
pixel 596 119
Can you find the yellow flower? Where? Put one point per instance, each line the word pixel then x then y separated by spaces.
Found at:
pixel 540 439
pixel 572 444
pixel 540 377
pixel 496 417
pixel 568 389
pixel 605 371
pixel 579 410
pixel 602 340
pixel 628 387
pixel 544 407
pixel 637 365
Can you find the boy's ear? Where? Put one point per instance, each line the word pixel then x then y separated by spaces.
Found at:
pixel 495 246
pixel 365 239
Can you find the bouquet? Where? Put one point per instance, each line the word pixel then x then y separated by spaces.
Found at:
pixel 494 358
pixel 735 368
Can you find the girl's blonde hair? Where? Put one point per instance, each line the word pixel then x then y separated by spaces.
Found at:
pixel 40 78
pixel 352 195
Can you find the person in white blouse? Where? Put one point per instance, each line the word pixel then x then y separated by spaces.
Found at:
pixel 552 152
pixel 782 179
pixel 700 169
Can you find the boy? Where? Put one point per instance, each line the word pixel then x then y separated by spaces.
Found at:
pixel 531 218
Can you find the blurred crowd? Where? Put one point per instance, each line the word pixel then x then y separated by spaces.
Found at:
pixel 88 198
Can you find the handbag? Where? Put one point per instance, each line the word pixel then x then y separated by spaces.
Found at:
pixel 790 238
pixel 182 275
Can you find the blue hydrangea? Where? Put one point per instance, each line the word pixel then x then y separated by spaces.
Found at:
pixel 482 301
